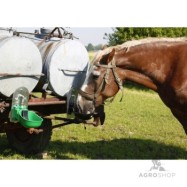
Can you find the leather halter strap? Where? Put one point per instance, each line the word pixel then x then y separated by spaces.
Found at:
pixel 111 65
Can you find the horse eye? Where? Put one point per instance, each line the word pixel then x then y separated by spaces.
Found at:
pixel 96 74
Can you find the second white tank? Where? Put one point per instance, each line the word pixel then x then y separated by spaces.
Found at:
pixel 65 63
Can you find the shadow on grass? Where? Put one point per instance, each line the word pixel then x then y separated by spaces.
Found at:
pixel 5 149
pixel 114 149
pixel 6 152
pixel 117 149
pixel 134 86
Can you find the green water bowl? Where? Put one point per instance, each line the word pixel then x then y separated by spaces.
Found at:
pixel 29 119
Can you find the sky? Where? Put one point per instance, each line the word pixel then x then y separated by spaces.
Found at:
pixel 91 35
pixel 86 35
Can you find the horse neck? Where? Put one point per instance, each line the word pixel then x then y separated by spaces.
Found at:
pixel 143 65
pixel 139 79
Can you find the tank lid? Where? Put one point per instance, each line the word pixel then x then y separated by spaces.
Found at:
pixel 45 30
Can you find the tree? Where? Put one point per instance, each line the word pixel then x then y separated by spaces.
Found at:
pixel 123 34
pixel 90 47
pixel 98 47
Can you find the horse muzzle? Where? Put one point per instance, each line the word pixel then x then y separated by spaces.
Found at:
pixel 84 112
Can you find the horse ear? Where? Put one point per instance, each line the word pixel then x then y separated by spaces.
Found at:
pixel 111 55
pixel 107 56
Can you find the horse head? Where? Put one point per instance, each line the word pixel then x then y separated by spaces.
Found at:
pixel 102 82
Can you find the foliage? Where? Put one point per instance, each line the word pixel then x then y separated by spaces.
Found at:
pixel 123 34
pixel 91 47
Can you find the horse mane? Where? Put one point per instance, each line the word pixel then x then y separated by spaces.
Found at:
pixel 127 45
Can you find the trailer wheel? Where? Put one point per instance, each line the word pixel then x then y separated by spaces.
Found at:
pixel 26 143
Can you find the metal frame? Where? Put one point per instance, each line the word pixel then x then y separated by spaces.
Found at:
pixel 44 105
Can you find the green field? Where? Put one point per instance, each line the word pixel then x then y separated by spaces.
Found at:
pixel 139 127
pixel 91 54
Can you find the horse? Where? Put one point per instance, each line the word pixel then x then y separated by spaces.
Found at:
pixel 160 65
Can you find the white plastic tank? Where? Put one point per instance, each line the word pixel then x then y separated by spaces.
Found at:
pixel 65 64
pixel 20 64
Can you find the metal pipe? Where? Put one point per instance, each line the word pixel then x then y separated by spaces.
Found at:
pixel 19 75
pixel 6 29
pixel 45 102
pixel 37 102
pixel 75 70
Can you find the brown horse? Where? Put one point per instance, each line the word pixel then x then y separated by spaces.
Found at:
pixel 160 65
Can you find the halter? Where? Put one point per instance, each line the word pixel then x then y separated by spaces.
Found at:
pixel 111 65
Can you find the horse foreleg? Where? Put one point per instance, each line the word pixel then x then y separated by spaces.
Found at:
pixel 182 118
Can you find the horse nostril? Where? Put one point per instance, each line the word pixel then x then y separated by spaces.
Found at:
pixel 90 110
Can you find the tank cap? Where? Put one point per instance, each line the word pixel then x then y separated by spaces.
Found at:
pixel 45 30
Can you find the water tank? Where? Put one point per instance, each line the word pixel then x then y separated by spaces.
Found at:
pixel 65 63
pixel 20 64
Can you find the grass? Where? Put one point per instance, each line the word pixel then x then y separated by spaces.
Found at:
pixel 139 127
pixel 91 54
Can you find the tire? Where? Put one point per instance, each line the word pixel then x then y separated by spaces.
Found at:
pixel 26 143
